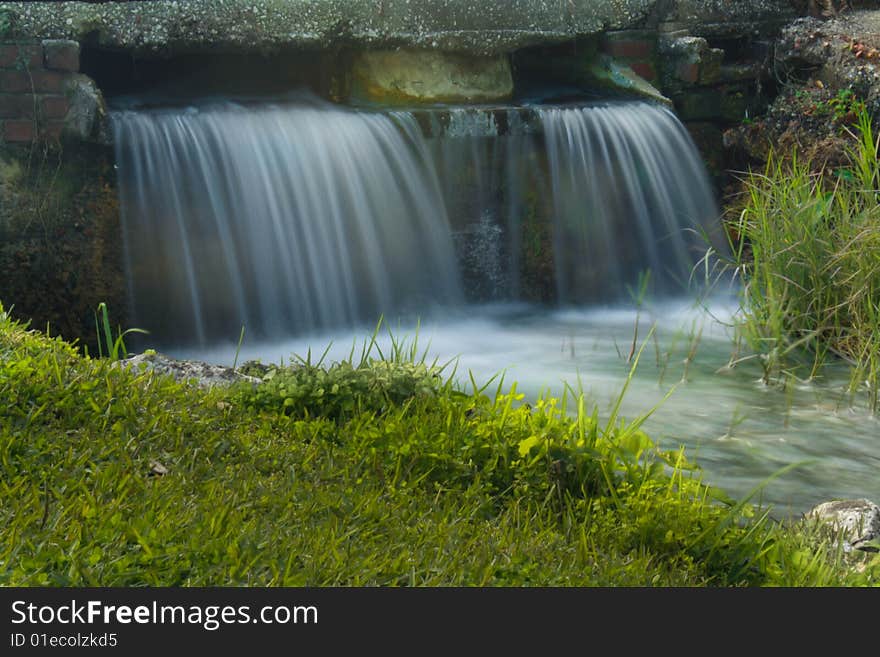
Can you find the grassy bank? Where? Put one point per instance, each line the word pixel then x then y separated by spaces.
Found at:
pixel 369 472
pixel 807 245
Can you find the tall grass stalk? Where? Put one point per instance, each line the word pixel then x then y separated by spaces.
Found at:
pixel 238 348
pixel 112 347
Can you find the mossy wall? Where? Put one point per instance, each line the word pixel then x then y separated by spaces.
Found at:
pixel 60 238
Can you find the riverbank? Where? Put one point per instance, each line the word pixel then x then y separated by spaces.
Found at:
pixel 375 472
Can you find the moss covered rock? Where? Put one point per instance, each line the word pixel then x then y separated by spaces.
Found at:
pixel 405 76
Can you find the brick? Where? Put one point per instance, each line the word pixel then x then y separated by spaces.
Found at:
pixel 14 82
pixel 18 131
pixel 645 70
pixel 48 82
pixel 8 56
pixel 31 56
pixel 54 107
pixel 629 48
pixel 16 106
pixel 52 130
pixel 39 81
pixel 61 55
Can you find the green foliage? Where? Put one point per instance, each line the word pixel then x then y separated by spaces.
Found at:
pixel 418 484
pixel 845 104
pixel 808 249
pixel 843 107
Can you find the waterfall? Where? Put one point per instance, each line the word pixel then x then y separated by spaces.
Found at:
pixel 303 217
pixel 630 194
pixel 284 219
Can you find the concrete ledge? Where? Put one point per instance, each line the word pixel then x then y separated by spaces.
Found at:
pixel 167 27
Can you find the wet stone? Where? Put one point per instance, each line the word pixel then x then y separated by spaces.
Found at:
pixel 857 522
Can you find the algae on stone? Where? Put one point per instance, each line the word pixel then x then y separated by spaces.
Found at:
pixel 425 76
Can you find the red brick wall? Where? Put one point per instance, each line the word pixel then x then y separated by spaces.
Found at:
pixel 33 105
pixel 635 48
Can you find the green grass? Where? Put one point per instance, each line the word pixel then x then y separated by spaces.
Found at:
pixel 378 471
pixel 808 250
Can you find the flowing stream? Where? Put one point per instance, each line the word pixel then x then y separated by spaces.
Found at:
pixel 737 429
pixel 304 223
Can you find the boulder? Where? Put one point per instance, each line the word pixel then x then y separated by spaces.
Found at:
pixel 61 55
pixel 856 522
pixel 428 76
pixel 87 117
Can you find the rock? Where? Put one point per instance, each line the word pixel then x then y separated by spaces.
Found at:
pixel 857 522
pixel 842 53
pixel 830 68
pixel 728 103
pixel 426 76
pixel 607 73
pixel 202 374
pixel 87 118
pixel 157 469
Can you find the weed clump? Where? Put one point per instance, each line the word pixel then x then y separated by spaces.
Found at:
pixel 807 247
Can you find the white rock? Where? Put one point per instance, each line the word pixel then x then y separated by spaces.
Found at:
pixel 857 522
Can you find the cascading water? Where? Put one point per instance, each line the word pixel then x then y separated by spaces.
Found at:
pixel 282 219
pixel 294 218
pixel 619 186
pixel 630 194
